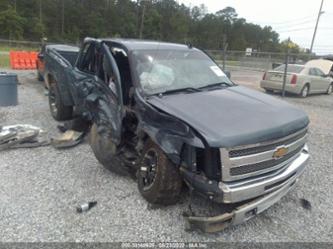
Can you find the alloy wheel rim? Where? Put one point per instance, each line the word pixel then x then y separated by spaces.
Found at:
pixel 149 169
pixel 53 104
pixel 305 92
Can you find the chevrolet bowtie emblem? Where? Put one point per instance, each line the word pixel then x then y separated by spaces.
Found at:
pixel 280 152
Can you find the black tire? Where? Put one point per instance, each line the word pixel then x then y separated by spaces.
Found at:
pixel 58 110
pixel 40 77
pixel 105 151
pixel 165 187
pixel 330 89
pixel 269 91
pixel 305 91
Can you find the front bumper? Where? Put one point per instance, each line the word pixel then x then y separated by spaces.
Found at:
pixel 240 214
pixel 266 190
pixel 244 190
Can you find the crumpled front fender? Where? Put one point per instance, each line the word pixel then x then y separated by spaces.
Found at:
pixel 165 130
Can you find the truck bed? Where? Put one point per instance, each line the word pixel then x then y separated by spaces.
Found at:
pixel 69 53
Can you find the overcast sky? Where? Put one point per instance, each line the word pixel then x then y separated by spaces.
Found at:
pixel 294 18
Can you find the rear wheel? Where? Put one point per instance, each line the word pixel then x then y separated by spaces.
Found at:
pixel 330 89
pixel 39 77
pixel 305 91
pixel 269 91
pixel 58 110
pixel 159 181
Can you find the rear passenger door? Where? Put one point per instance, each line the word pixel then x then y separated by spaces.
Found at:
pixel 315 81
pixel 323 81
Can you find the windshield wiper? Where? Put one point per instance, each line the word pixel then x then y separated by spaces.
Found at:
pixel 185 89
pixel 225 84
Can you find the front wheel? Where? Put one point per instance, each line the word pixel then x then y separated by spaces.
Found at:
pixel 305 91
pixel 106 151
pixel 58 110
pixel 159 181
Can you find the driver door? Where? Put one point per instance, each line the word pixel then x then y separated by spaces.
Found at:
pixel 98 89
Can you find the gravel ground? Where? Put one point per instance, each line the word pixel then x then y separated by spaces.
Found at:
pixel 40 188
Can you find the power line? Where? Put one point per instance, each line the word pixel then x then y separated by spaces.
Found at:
pixel 301 29
pixel 285 23
pixel 295 24
pixel 320 49
pixel 294 30
pixel 292 21
pixel 324 46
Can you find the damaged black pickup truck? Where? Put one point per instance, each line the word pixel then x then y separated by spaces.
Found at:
pixel 169 115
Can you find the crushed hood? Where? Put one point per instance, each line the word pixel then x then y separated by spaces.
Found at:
pixel 233 116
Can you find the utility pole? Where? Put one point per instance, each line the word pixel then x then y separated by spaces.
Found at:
pixel 286 69
pixel 142 2
pixel 63 17
pixel 225 48
pixel 40 11
pixel 315 31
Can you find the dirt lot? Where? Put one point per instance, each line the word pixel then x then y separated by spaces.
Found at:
pixel 39 188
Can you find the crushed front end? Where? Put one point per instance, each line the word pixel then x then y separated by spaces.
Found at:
pixel 252 177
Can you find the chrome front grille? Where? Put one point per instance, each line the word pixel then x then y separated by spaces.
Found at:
pixel 254 160
pixel 258 149
pixel 262 165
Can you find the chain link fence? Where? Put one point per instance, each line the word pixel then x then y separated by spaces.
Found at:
pixel 7 45
pixel 261 61
pixel 233 60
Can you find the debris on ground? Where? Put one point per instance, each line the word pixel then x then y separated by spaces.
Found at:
pixel 62 128
pixel 86 207
pixel 68 139
pixel 306 204
pixel 22 136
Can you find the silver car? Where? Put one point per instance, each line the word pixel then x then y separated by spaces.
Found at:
pixel 301 80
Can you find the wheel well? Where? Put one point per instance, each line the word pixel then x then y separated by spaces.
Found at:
pixel 307 84
pixel 50 80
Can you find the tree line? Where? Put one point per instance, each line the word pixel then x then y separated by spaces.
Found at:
pixel 166 20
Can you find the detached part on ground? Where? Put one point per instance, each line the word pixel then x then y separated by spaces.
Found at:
pixel 28 136
pixel 22 136
pixel 68 139
pixel 86 207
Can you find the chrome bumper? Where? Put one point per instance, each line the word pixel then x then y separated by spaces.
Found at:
pixel 276 85
pixel 235 192
pixel 240 214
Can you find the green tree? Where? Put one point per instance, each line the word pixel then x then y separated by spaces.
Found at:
pixel 167 20
pixel 11 24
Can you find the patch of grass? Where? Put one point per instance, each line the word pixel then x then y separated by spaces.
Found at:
pixel 5 48
pixel 4 61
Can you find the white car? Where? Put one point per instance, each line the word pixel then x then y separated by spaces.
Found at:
pixel 301 79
